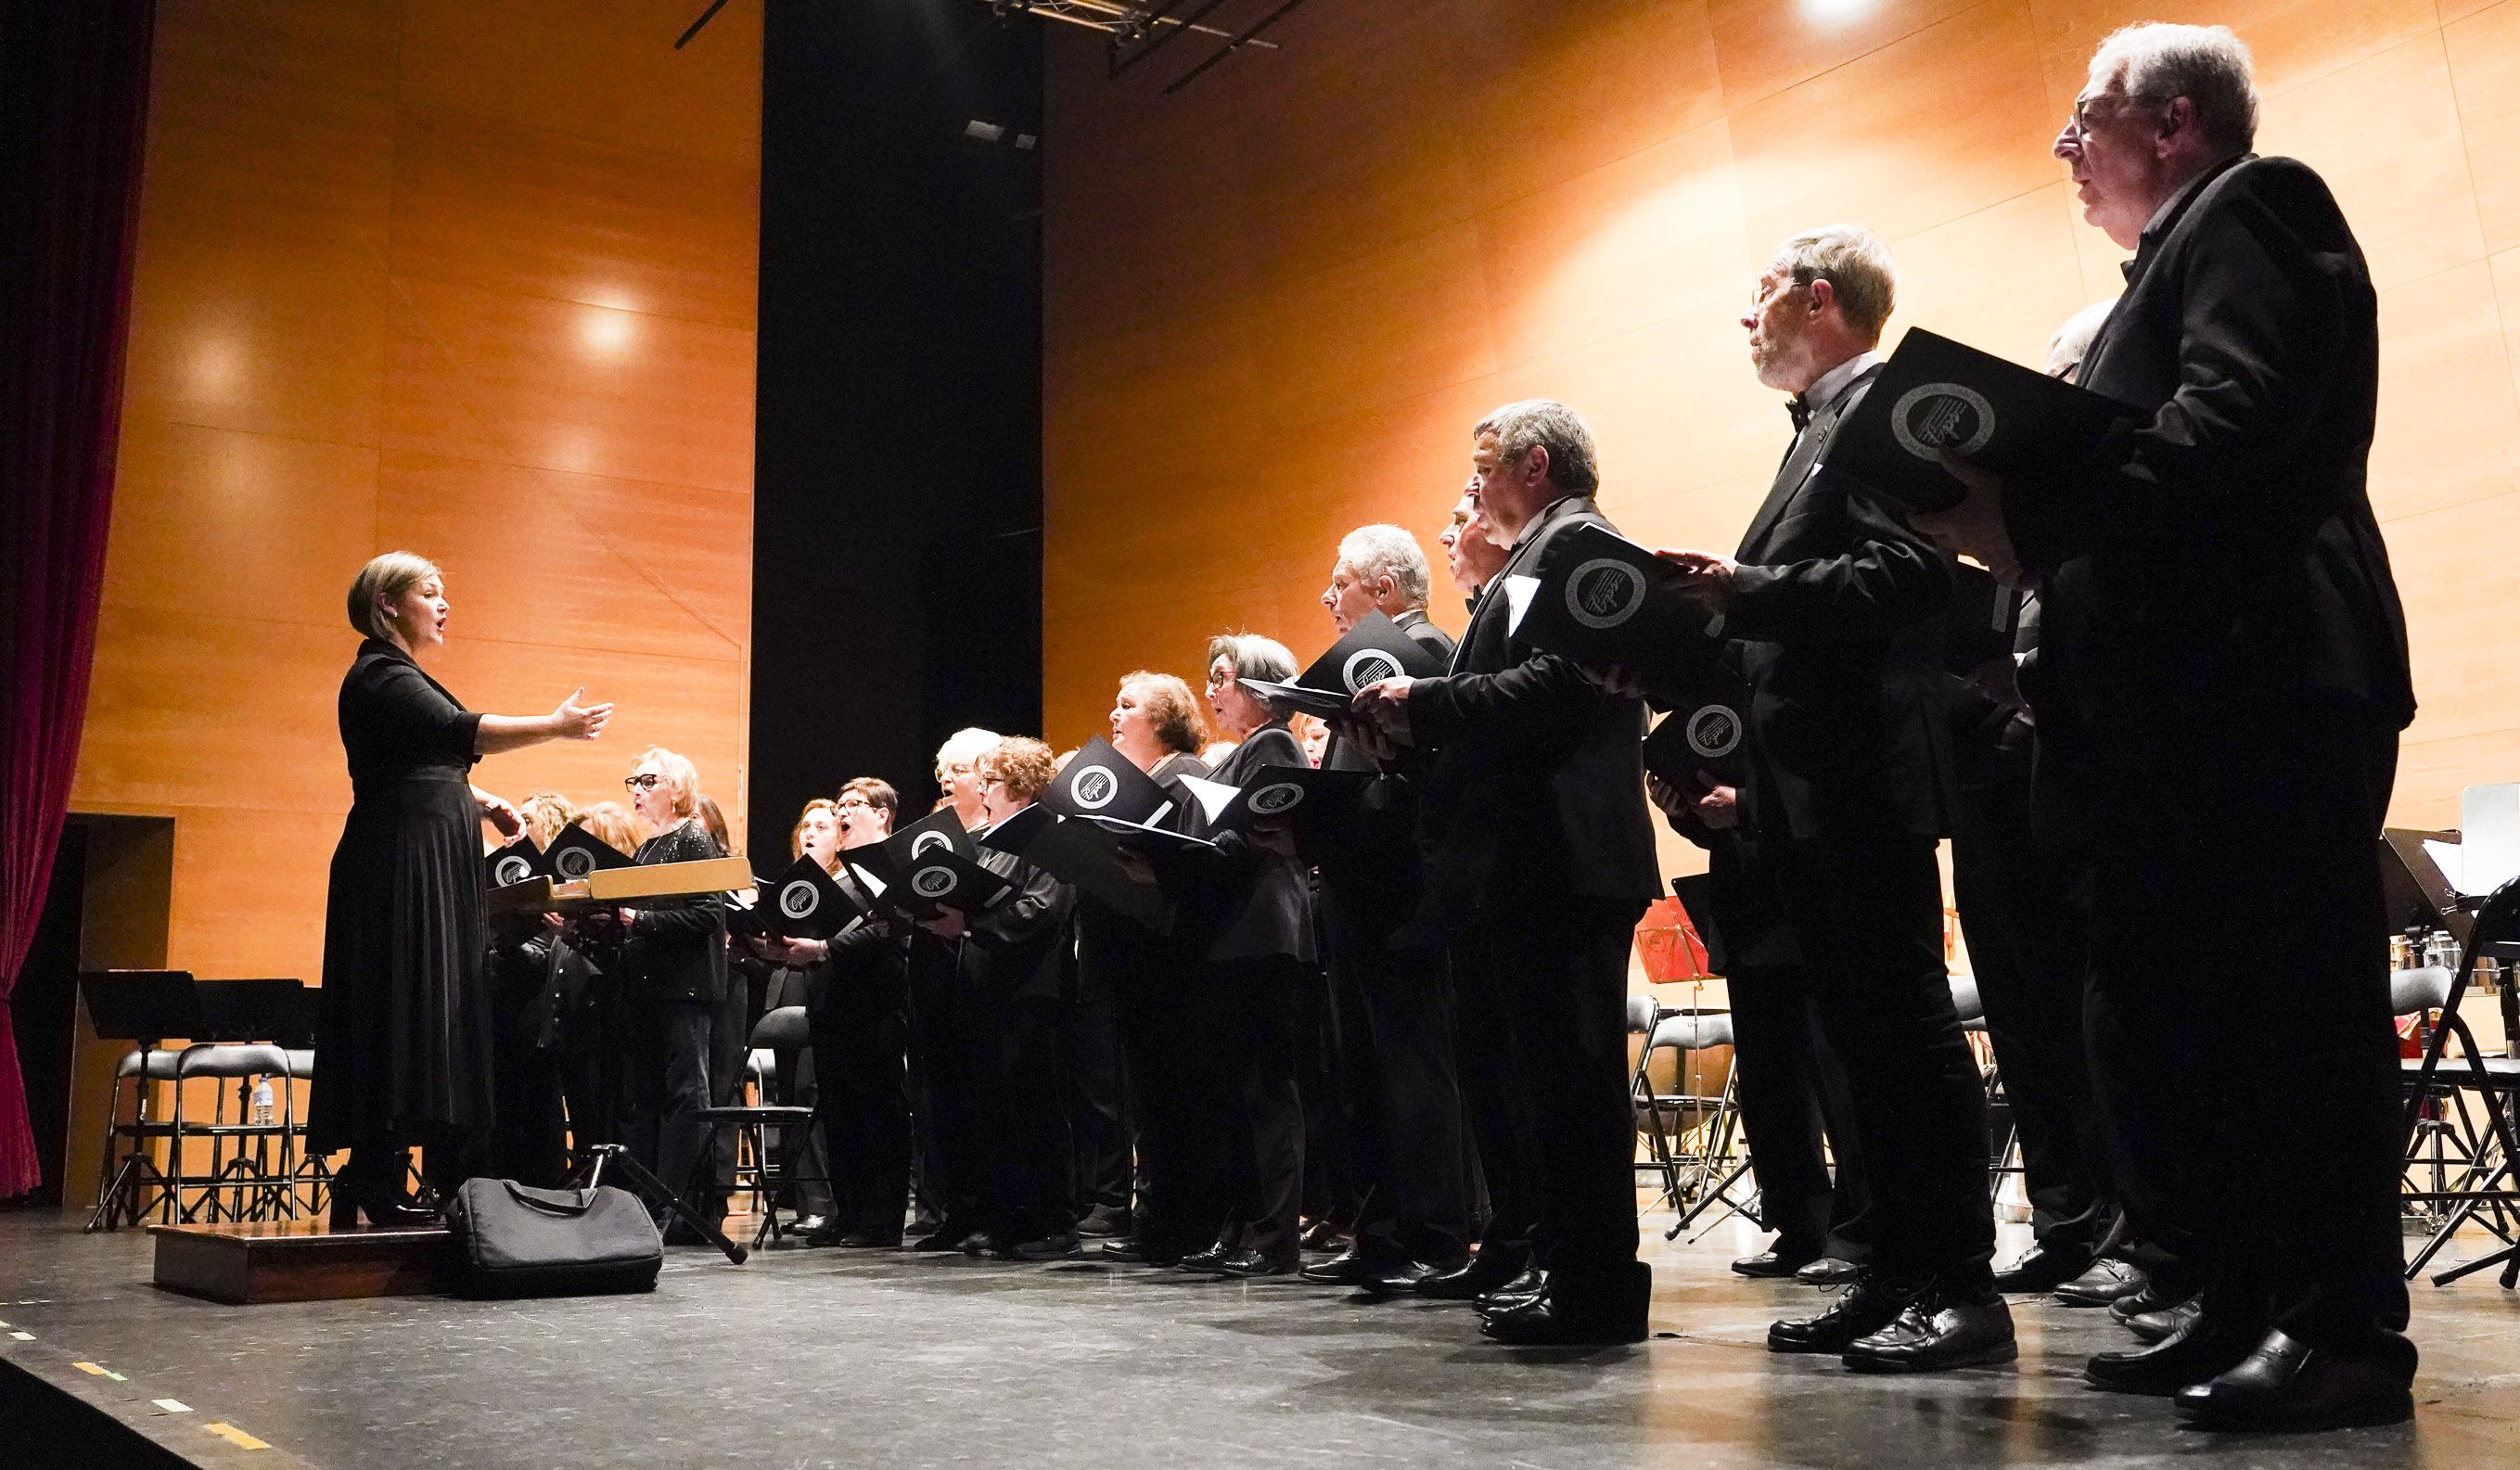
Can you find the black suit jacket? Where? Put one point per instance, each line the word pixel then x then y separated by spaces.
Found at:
pixel 2222 557
pixel 677 947
pixel 1835 626
pixel 1535 788
pixel 1016 949
pixel 1372 875
pixel 1256 904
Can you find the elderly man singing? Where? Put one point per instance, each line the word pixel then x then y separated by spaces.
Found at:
pixel 2221 672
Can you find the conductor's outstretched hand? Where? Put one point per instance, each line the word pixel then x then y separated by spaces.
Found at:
pixel 573 721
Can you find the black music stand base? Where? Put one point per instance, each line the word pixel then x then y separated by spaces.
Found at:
pixel 588 1173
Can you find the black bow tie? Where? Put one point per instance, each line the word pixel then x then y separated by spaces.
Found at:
pixel 1799 408
pixel 2126 268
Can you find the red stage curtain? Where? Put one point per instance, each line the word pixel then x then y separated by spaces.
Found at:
pixel 74 109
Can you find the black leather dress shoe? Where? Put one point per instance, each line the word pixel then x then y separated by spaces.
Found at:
pixel 2155 1296
pixel 1590 1313
pixel 1247 1261
pixel 1325 1235
pixel 868 1240
pixel 2041 1268
pixel 1865 1307
pixel 1475 1277
pixel 1828 1270
pixel 2194 1354
pixel 1938 1331
pixel 949 1236
pixel 2288 1384
pixel 1104 1221
pixel 1349 1268
pixel 1402 1276
pixel 1209 1259
pixel 1777 1264
pixel 2107 1280
pixel 982 1243
pixel 1056 1247
pixel 809 1223
pixel 1529 1285
pixel 2156 1326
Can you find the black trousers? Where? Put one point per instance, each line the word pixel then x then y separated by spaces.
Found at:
pixel 1249 1143
pixel 948 1053
pixel 1327 1025
pixel 799 1084
pixel 862 1098
pixel 2025 910
pixel 2240 1021
pixel 1793 1096
pixel 1031 1185
pixel 1097 1105
pixel 1402 1091
pixel 1559 966
pixel 528 1138
pixel 1868 917
pixel 1155 982
pixel 1497 1105
pixel 668 1085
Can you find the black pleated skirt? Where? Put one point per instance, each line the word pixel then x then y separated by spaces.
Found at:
pixel 402 1039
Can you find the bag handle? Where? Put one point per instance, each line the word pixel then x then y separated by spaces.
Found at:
pixel 537 1200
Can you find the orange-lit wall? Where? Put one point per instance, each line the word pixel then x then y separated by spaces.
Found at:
pixel 469 277
pixel 1277 300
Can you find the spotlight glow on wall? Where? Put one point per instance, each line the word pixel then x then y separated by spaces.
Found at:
pixel 606 332
pixel 1835 11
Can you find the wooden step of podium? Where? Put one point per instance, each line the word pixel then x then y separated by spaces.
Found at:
pixel 299 1261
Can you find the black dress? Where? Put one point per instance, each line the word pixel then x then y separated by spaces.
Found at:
pixel 404 1025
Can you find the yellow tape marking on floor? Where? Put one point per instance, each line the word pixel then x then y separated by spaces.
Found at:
pixel 235 1436
pixel 89 1368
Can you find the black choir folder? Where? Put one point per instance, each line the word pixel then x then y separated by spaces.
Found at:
pixel 1602 601
pixel 1709 719
pixel 1937 396
pixel 1375 649
pixel 801 903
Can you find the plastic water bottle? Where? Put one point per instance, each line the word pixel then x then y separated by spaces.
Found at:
pixel 262 1102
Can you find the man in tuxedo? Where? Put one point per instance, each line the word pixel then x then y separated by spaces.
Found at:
pixel 2025 910
pixel 2221 672
pixel 1470 554
pixel 1832 608
pixel 1393 1001
pixel 1540 861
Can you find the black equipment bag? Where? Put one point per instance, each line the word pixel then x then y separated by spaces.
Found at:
pixel 515 1240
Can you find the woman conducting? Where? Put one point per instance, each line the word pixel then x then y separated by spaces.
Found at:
pixel 404 1020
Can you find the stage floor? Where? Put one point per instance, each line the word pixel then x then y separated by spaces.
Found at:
pixel 809 1359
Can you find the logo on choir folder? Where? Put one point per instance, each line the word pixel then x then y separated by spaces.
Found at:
pixel 927 842
pixel 1713 732
pixel 512 869
pixel 933 882
pixel 798 900
pixel 1275 797
pixel 1935 418
pixel 1094 788
pixel 573 862
pixel 1368 666
pixel 1605 593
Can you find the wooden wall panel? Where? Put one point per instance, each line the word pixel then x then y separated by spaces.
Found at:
pixel 1260 330
pixel 471 277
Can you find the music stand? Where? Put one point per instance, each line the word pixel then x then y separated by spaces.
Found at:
pixel 2482 924
pixel 144 1007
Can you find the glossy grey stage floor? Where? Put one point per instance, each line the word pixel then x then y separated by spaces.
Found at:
pixel 849 1358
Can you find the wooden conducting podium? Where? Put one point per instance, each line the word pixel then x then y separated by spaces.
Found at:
pixel 303 1261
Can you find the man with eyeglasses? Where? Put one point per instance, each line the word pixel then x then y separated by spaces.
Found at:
pixel 2221 672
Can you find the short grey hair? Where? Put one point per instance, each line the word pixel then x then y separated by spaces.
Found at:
pixel 1854 263
pixel 2068 348
pixel 1387 551
pixel 2208 65
pixel 1252 657
pixel 1545 423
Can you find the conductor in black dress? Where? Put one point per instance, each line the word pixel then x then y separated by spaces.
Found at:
pixel 2222 669
pixel 1539 860
pixel 403 1023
